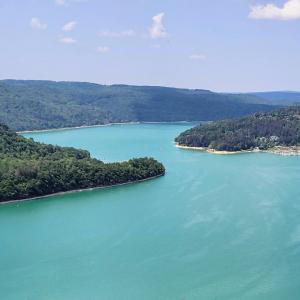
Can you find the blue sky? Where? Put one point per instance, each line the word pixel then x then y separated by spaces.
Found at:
pixel 222 45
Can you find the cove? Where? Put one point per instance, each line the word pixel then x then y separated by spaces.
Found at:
pixel 214 227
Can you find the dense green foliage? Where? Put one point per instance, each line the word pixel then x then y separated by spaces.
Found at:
pixel 29 105
pixel 30 169
pixel 261 130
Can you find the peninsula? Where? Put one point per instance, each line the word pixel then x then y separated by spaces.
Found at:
pixel 277 131
pixel 29 169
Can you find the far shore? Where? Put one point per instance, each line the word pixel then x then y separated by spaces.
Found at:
pixel 280 150
pixel 102 125
pixel 75 127
pixel 81 190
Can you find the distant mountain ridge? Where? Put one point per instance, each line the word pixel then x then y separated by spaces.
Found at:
pixel 32 105
pixel 279 97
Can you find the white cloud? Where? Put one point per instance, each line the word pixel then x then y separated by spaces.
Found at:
pixel 158 30
pixel 67 40
pixel 114 34
pixel 61 2
pixel 197 56
pixel 289 11
pixel 68 2
pixel 69 26
pixel 36 23
pixel 103 49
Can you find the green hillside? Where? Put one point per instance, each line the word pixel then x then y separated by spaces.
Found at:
pixel 29 105
pixel 30 169
pixel 280 128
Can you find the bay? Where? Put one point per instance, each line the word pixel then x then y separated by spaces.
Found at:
pixel 214 227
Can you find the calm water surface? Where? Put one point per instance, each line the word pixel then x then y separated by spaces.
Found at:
pixel 215 227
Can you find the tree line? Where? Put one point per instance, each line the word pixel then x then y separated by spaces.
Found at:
pixel 262 130
pixel 30 105
pixel 30 169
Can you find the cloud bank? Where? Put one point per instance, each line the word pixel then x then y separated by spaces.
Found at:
pixel 289 11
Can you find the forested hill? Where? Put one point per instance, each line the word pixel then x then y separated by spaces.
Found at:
pixel 278 98
pixel 30 169
pixel 280 128
pixel 29 105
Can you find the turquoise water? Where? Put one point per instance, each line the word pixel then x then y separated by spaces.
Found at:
pixel 215 227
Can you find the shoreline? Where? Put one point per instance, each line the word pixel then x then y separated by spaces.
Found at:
pixel 101 125
pixel 80 190
pixel 75 127
pixel 279 150
pixel 212 151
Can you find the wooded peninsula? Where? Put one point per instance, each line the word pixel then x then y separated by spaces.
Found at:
pixel 277 131
pixel 30 169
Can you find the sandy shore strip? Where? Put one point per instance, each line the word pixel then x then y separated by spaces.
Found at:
pixel 204 149
pixel 279 150
pixel 102 125
pixel 81 190
pixel 76 127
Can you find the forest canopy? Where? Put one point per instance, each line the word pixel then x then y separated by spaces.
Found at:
pixel 264 131
pixel 32 105
pixel 30 169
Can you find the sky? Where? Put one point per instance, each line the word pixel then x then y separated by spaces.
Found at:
pixel 220 45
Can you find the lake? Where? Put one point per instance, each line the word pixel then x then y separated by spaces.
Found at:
pixel 214 227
